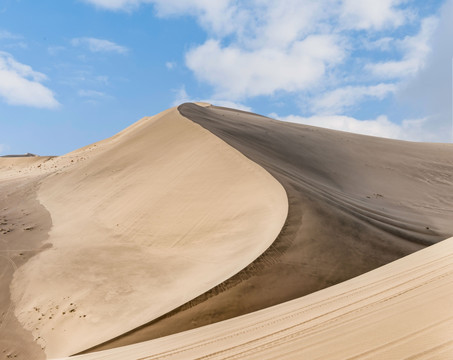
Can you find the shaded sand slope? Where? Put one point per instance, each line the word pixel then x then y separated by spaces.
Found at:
pixel 142 223
pixel 399 311
pixel 355 203
pixel 24 225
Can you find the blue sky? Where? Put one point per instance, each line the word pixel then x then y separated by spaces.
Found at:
pixel 76 71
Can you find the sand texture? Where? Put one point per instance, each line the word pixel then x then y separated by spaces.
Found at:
pixel 207 232
pixel 402 310
pixel 24 226
pixel 355 203
pixel 141 223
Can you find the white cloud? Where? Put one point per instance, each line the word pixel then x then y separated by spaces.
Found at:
pixel 381 126
pixel 235 72
pixel 430 91
pixel 416 50
pixel 219 16
pixel 367 14
pixel 285 45
pixel 99 45
pixel 266 47
pixel 339 100
pixel 21 85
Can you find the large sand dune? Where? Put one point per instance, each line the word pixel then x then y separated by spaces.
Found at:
pixel 355 203
pixel 141 223
pixel 169 226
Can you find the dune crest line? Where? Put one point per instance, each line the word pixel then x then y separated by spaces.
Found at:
pixel 355 203
pixel 142 223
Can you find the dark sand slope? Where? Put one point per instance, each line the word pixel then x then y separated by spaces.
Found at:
pixel 355 203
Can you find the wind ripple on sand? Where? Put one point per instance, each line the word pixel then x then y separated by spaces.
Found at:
pixel 400 311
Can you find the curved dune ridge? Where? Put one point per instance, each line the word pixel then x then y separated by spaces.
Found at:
pixel 207 232
pixel 355 203
pixel 141 223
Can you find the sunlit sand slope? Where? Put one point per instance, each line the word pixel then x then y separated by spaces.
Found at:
pixel 355 203
pixel 141 223
pixel 402 310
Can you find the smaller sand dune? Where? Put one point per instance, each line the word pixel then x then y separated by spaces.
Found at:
pixel 399 311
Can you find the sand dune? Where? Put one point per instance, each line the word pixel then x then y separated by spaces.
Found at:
pixel 148 220
pixel 355 203
pixel 169 226
pixel 399 311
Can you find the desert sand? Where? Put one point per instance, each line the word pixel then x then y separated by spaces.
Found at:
pixel 399 311
pixel 148 219
pixel 224 234
pixel 355 203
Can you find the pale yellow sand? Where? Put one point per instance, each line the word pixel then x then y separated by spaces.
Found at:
pixel 20 167
pixel 403 310
pixel 142 223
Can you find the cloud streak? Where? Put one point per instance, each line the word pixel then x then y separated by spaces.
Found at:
pixel 99 45
pixel 411 130
pixel 342 99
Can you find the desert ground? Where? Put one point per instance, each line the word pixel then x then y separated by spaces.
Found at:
pixel 208 232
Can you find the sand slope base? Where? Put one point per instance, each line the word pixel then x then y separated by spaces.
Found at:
pixel 399 311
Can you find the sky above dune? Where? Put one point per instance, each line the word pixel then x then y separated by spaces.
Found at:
pixel 76 71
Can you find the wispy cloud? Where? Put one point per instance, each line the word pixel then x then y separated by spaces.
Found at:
pixel 7 35
pixel 117 4
pixel 91 94
pixel 10 40
pixel 342 99
pixel 99 45
pixel 381 126
pixel 55 50
pixel 416 50
pixel 21 85
pixel 170 65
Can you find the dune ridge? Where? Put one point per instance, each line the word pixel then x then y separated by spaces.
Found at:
pixel 355 203
pixel 137 252
pixel 148 219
